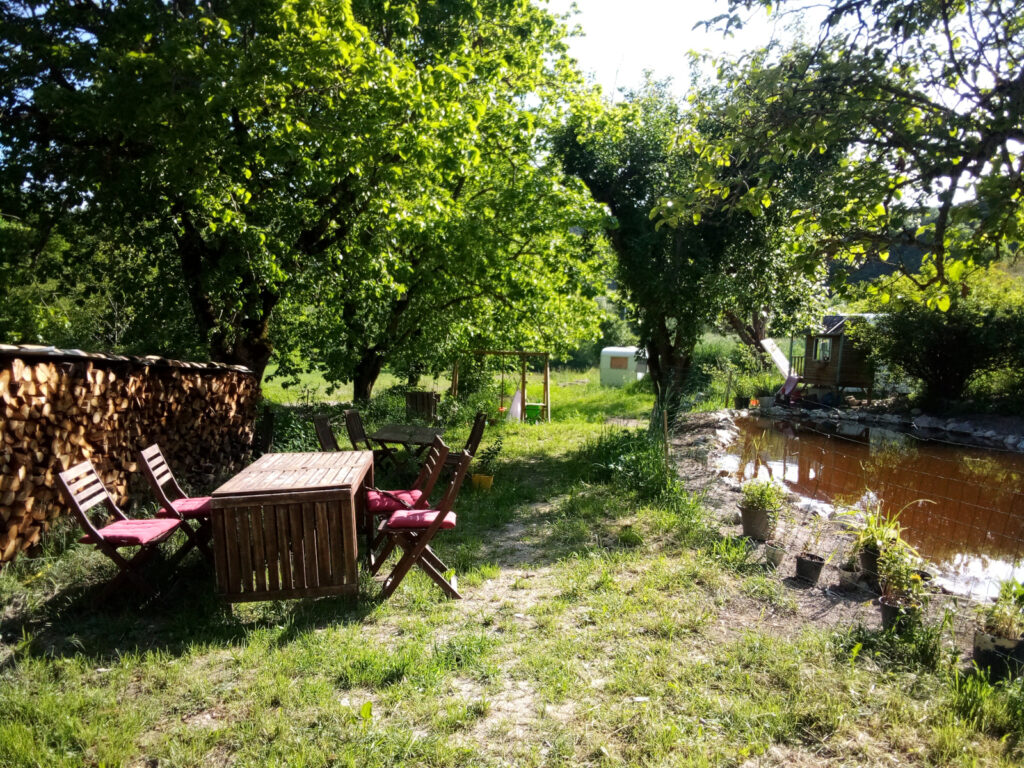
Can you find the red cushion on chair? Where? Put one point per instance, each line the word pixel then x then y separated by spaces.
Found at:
pixel 419 518
pixel 126 533
pixel 187 508
pixel 378 502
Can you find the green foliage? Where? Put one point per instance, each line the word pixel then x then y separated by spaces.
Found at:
pixel 915 97
pixel 1005 616
pixel 485 460
pixel 943 350
pixel 877 531
pixel 615 332
pixel 764 495
pixel 678 280
pixel 915 646
pixel 354 182
pixel 633 460
pixel 897 574
pixel 971 697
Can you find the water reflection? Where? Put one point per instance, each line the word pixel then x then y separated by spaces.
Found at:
pixel 963 508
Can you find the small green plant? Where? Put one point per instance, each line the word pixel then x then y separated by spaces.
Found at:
pixel 766 496
pixel 818 525
pixel 898 576
pixel 485 459
pixel 878 530
pixel 1005 617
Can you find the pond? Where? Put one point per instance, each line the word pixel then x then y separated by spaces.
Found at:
pixel 961 507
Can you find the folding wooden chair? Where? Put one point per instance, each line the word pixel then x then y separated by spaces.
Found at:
pixel 475 436
pixel 85 491
pixel 380 502
pixel 324 433
pixel 360 442
pixel 174 502
pixel 413 530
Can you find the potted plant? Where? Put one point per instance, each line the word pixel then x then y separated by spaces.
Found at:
pixel 849 573
pixel 873 534
pixel 901 585
pixel 999 637
pixel 809 563
pixel 774 551
pixel 744 391
pixel 483 466
pixel 760 506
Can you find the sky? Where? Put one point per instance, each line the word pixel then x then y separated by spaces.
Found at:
pixel 625 37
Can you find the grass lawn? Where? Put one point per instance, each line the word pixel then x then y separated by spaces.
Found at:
pixel 605 622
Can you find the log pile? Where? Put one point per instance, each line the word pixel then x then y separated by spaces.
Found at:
pixel 59 408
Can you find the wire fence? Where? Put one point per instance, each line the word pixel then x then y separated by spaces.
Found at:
pixel 961 507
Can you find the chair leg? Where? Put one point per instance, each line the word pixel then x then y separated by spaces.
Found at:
pixel 439 579
pixel 403 567
pixel 204 535
pixel 128 570
pixel 431 557
pixel 381 557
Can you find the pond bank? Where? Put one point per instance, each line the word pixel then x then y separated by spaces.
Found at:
pixel 699 443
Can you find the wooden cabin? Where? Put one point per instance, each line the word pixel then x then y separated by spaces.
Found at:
pixel 830 359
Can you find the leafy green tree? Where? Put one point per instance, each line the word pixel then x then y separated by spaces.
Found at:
pixel 261 152
pixel 925 100
pixel 679 279
pixel 980 332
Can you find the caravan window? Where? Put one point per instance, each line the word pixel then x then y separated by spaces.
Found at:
pixel 618 363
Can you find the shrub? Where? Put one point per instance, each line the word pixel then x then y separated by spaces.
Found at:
pixel 982 331
pixel 631 459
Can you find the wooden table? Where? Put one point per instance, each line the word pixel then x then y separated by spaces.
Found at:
pixel 285 526
pixel 406 435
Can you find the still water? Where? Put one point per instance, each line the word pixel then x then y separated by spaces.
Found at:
pixel 962 508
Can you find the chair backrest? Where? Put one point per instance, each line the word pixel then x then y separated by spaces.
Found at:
pixel 159 476
pixel 264 438
pixel 324 433
pixel 421 405
pixel 476 433
pixel 452 492
pixel 356 432
pixel 431 470
pixel 85 490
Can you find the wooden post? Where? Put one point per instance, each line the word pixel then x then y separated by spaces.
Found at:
pixel 791 356
pixel 522 391
pixel 728 386
pixel 454 389
pixel 547 386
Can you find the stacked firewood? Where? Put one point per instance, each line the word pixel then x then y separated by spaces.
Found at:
pixel 59 408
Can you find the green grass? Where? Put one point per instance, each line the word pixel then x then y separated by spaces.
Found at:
pixel 606 622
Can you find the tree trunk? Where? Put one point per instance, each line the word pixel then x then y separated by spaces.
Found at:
pixel 668 364
pixel 751 334
pixel 367 370
pixel 245 342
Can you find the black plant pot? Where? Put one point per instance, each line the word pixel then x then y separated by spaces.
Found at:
pixel 808 567
pixel 897 614
pixel 757 524
pixel 739 403
pixel 869 567
pixel 1001 656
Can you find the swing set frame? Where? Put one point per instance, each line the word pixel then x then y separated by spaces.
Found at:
pixel 523 357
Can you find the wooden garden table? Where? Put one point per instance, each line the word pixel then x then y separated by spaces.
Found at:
pixel 406 435
pixel 285 526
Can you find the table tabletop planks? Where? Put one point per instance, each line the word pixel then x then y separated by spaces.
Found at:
pixel 296 472
pixel 408 434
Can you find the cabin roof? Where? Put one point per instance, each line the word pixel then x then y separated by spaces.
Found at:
pixel 835 325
